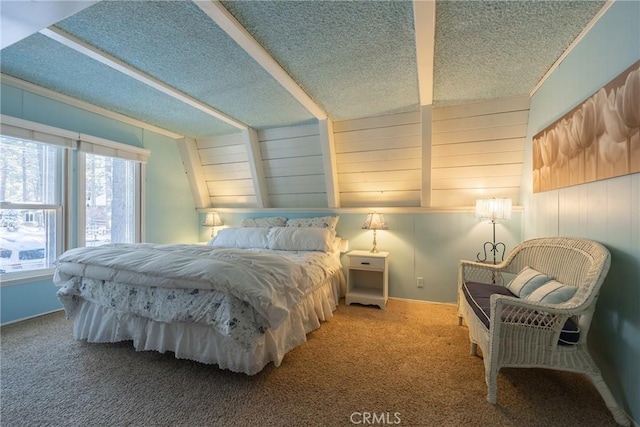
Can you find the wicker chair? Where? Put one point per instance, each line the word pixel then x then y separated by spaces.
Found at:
pixel 525 334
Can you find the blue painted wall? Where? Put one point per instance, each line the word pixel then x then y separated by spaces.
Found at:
pixel 607 211
pixel 28 299
pixel 421 244
pixel 170 214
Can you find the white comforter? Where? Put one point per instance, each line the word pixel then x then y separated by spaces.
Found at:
pixel 269 282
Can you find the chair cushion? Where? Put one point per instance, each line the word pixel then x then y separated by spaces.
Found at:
pixel 478 295
pixel 526 282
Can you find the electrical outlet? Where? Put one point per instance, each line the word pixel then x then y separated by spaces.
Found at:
pixel 420 282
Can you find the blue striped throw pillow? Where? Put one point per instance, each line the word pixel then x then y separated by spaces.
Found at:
pixel 552 292
pixel 527 281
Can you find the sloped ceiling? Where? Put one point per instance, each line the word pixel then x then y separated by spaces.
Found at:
pixel 351 58
pixel 207 69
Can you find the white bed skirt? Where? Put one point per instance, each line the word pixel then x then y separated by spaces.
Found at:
pixel 202 343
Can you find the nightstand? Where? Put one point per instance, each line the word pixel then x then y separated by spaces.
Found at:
pixel 368 278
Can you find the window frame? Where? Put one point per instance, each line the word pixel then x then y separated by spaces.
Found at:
pixel 62 177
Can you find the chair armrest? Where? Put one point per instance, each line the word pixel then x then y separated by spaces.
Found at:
pixel 565 309
pixel 473 271
pixel 542 322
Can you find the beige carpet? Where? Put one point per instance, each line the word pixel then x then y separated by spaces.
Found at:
pixel 407 365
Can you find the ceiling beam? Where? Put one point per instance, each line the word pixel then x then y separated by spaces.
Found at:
pixel 426 132
pixel 424 22
pixel 225 20
pixel 424 17
pixel 252 144
pixel 327 145
pixel 118 65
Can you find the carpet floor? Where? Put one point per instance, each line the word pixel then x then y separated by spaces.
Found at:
pixel 406 365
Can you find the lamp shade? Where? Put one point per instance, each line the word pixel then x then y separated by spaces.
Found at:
pixel 493 208
pixel 375 221
pixel 212 220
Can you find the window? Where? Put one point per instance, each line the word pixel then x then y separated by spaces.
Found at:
pixel 110 200
pixel 31 210
pixel 45 195
pixel 110 188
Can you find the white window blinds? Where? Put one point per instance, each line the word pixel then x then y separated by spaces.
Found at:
pixel 28 130
pixel 105 147
pixel 31 131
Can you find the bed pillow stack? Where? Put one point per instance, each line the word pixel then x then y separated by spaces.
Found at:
pixel 278 233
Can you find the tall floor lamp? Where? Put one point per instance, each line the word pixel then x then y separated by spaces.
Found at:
pixel 493 209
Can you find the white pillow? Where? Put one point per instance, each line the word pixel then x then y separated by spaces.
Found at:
pixel 242 238
pixel 301 239
pixel 275 221
pixel 552 292
pixel 318 221
pixel 527 281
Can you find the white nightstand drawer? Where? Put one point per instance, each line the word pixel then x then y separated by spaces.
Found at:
pixel 368 278
pixel 366 262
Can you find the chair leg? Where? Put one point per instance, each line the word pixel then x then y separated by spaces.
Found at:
pixel 474 349
pixel 603 389
pixel 459 320
pixel 492 387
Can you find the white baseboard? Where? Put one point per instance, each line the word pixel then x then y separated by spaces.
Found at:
pixel 424 302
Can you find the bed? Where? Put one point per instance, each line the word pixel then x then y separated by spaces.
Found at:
pixel 242 301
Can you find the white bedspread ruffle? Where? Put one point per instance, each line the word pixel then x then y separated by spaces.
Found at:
pixel 199 342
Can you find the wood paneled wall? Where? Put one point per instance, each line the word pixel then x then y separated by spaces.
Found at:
pixel 477 151
pixel 293 168
pixel 225 167
pixel 379 160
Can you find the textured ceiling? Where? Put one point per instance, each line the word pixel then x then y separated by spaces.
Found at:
pixel 493 49
pixel 47 63
pixel 178 44
pixel 353 58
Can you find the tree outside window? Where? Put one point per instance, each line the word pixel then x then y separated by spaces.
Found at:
pixel 110 194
